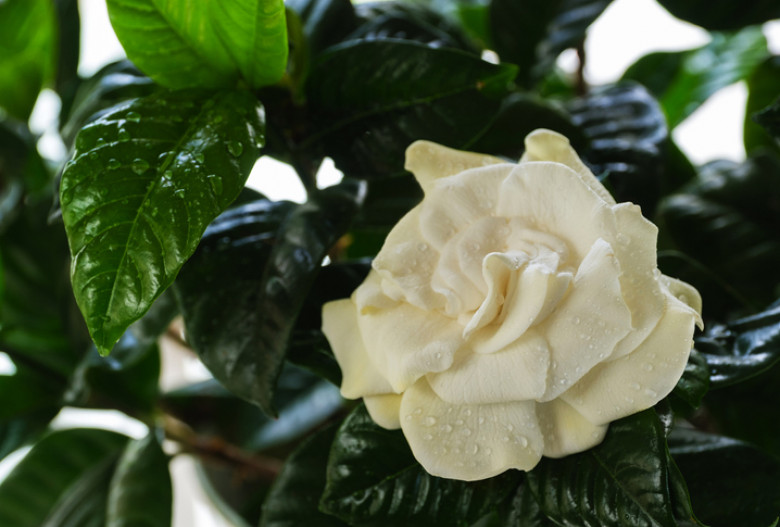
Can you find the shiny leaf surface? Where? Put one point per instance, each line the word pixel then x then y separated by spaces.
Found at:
pixel 206 44
pixel 373 98
pixel 695 380
pixel 145 181
pixel 140 492
pixel 294 498
pixel 373 479
pixel 763 130
pixel 683 80
pixel 28 31
pixel 53 484
pixel 623 481
pixel 533 33
pixel 723 14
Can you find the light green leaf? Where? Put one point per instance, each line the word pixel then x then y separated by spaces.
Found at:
pixel 140 491
pixel 683 80
pixel 28 30
pixel 181 43
pixel 61 481
pixel 145 181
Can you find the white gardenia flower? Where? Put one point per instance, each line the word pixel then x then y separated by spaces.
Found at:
pixel 513 314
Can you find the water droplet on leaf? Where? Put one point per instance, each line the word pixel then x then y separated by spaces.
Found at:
pixel 235 148
pixel 139 166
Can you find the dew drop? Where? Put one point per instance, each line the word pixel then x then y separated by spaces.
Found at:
pixel 123 135
pixel 467 412
pixel 93 156
pixel 422 247
pixel 179 193
pixel 623 239
pixel 510 427
pixel 647 366
pixel 113 164
pixel 216 183
pixel 522 440
pixel 139 166
pixel 446 428
pixel 428 437
pixel 576 320
pixel 200 158
pixel 235 148
pixel 429 421
pixel 474 449
pixel 481 420
pixel 467 431
pixel 408 417
pixel 133 116
pixel 651 393
pixel 417 411
pixel 635 386
pixel 505 439
pixel 100 142
pixel 459 422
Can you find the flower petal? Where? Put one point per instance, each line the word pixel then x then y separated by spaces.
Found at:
pixel 546 145
pixel 430 161
pixel 588 323
pixel 385 410
pixel 639 380
pixel 469 442
pixel 405 342
pixel 360 376
pixel 685 293
pixel 565 430
pixel 516 373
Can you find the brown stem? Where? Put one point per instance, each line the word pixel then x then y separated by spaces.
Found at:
pixel 581 86
pixel 216 449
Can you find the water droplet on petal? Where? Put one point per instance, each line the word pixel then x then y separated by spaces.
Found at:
pixel 417 411
pixel 651 393
pixel 446 428
pixel 647 366
pixel 474 449
pixel 428 437
pixel 635 386
pixel 466 431
pixel 576 320
pixel 623 239
pixel 429 421
pixel 522 440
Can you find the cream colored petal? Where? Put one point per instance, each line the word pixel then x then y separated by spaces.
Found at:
pixel 685 293
pixel 469 442
pixel 430 161
pixel 370 294
pixel 517 373
pixel 359 375
pixel 459 274
pixel 635 246
pixel 407 262
pixel 455 203
pixel 385 410
pixel 550 197
pixel 546 145
pixel 530 295
pixel 405 342
pixel 639 380
pixel 565 430
pixel 588 323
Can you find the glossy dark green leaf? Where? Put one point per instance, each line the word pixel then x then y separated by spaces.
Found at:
pixel 521 114
pixel 522 510
pixel 695 380
pixel 68 48
pixel 325 22
pixel 295 496
pixel 28 32
pixel 723 14
pixel 624 481
pixel 204 44
pixel 418 22
pixel 18 431
pixel 626 134
pixel 53 484
pixel 28 390
pixel 21 167
pixel 373 98
pixel 533 33
pixel 727 221
pixel 730 482
pixel 259 262
pixel 683 80
pixel 742 349
pixel 39 326
pixel 373 479
pixel 145 181
pixel 769 118
pixel 157 320
pixel 140 492
pixel 763 89
pixel 115 83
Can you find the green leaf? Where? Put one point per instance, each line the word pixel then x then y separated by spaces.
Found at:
pixel 54 482
pixel 624 481
pixel 727 220
pixel 695 380
pixel 723 14
pixel 296 492
pixel 259 262
pixel 140 491
pixel 115 83
pixel 742 349
pixel 373 479
pixel 145 181
pixel 28 390
pixel 21 167
pixel 730 482
pixel 626 134
pixel 683 80
pixel 371 99
pixel 325 22
pixel 763 89
pixel 68 49
pixel 533 33
pixel 17 432
pixel 28 31
pixel 769 118
pixel 207 44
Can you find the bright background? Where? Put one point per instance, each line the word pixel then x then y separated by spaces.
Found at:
pixel 627 30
